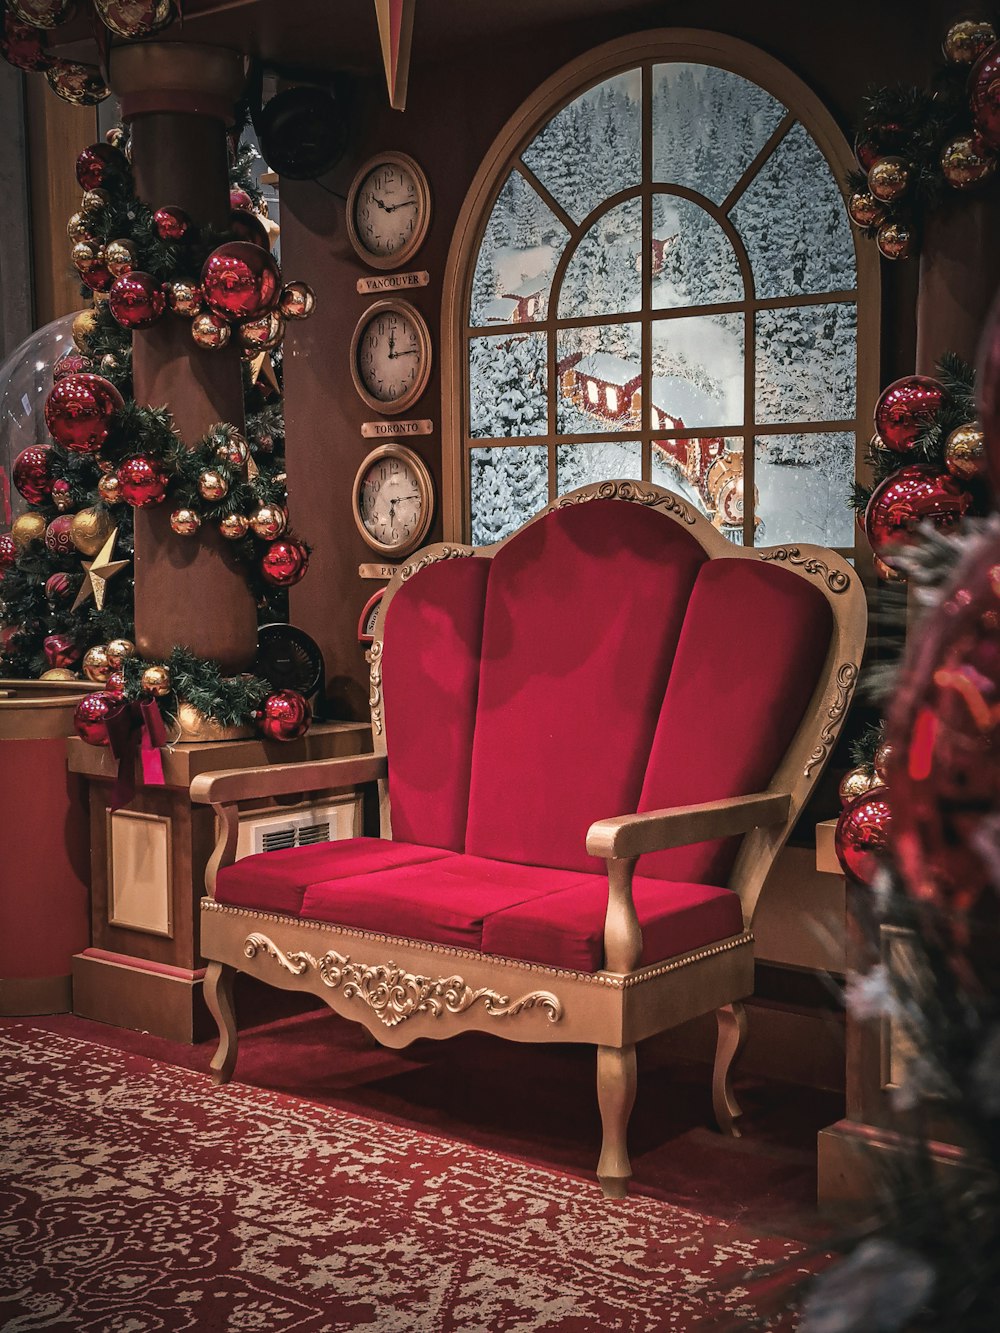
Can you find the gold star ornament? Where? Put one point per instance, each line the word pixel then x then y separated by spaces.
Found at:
pixel 98 571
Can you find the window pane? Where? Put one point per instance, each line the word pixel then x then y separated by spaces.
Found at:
pixel 600 371
pixel 520 249
pixel 698 369
pixel 806 363
pixel 590 150
pixel 803 483
pixel 794 223
pixel 708 126
pixel 603 277
pixel 708 474
pixel 581 464
pixel 509 485
pixel 507 378
pixel 693 262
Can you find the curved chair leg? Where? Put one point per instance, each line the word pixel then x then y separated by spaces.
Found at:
pixel 732 1021
pixel 219 981
pixel 616 1083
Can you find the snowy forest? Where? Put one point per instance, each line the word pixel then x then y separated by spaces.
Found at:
pixel 708 127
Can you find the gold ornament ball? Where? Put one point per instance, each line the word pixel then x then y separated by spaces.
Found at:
pixel 857 782
pixel 269 522
pixel 235 451
pixel 883 758
pixel 77 229
pixel 889 178
pixel 895 240
pixel 185 522
pixel 58 673
pixel 84 327
pixel 965 453
pixel 94 199
pixel 83 255
pixel 212 485
pixel 120 257
pixel 210 331
pixel 156 681
pixel 234 527
pixel 298 300
pixel 118 651
pixel 864 209
pixel 966 41
pixel 109 363
pixel 263 334
pixel 184 298
pixel 27 528
pixel 965 163
pixel 89 530
pixel 109 488
pixel 96 666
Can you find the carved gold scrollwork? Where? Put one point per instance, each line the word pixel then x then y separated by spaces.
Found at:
pixel 374 657
pixel 835 579
pixel 847 675
pixel 442 553
pixel 395 995
pixel 628 490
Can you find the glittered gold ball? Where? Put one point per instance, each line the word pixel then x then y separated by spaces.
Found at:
pixel 84 327
pixel 235 451
pixel 262 334
pixel 27 528
pixel 269 522
pixel 120 257
pixel 156 681
pixel 856 782
pixel 234 527
pixel 118 651
pixel 89 530
pixel 966 161
pixel 184 298
pixel 96 666
pixel 83 255
pixel 185 522
pixel 212 485
pixel 883 758
pixel 864 209
pixel 109 488
pixel 965 453
pixel 966 41
pixel 210 331
pixel 297 301
pixel 889 178
pixel 58 673
pixel 895 240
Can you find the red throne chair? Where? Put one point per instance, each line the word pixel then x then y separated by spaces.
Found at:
pixel 591 740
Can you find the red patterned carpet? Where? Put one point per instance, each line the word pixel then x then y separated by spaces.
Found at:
pixel 135 1196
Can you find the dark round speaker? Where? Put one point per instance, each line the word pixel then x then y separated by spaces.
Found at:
pixel 302 132
pixel 288 658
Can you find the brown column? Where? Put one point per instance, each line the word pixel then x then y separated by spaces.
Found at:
pixel 959 274
pixel 178 98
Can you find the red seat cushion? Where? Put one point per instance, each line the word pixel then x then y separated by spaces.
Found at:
pixel 583 610
pixel 443 901
pixel 566 929
pixel 276 881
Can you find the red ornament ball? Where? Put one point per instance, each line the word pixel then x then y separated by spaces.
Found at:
pixel 23 46
pixel 78 412
pixel 862 834
pixel 284 563
pixel 32 473
pixel 71 363
pixel 240 280
pixel 80 85
pixel 136 300
pixel 984 95
pixel 912 495
pixel 91 717
pixel 98 277
pixel 240 199
pixel 60 650
pixel 248 227
pixel 57 587
pixel 8 551
pixel 173 224
pixel 62 495
pixel 143 481
pixel 284 716
pixel 115 685
pixel 99 164
pixel 906 408
pixel 58 539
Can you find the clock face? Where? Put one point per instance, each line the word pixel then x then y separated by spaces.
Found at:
pixel 391 356
pixel 388 210
pixel 393 500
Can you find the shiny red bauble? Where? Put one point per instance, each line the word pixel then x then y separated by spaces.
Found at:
pixel 240 280
pixel 78 412
pixel 862 834
pixel 240 199
pixel 61 651
pixel 91 717
pixel 284 563
pixel 99 164
pixel 115 685
pixel 984 95
pixel 58 538
pixel 8 551
pixel 98 277
pixel 71 363
pixel 912 495
pixel 248 227
pixel 32 473
pixel 284 716
pixel 905 410
pixel 143 481
pixel 136 300
pixel 22 46
pixel 173 224
pixel 57 587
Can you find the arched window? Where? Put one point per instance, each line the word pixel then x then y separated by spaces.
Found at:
pixel 654 276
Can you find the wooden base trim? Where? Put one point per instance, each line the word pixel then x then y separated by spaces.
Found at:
pixel 145 997
pixel 849 1172
pixel 21 997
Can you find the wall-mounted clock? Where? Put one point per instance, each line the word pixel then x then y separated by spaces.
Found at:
pixel 391 356
pixel 393 499
pixel 388 210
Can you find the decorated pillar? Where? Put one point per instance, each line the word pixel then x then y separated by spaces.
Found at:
pixel 959 276
pixel 179 100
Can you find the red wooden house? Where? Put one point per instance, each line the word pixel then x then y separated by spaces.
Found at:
pixel 604 385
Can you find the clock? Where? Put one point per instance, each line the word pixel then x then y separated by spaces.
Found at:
pixel 391 356
pixel 393 499
pixel 388 210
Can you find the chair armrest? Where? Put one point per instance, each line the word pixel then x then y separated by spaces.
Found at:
pixel 630 836
pixel 230 785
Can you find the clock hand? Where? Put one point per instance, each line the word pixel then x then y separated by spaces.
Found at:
pixel 392 344
pixel 413 351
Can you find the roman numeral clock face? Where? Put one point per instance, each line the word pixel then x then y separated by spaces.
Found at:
pixel 391 356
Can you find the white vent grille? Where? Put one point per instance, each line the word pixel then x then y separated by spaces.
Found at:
pixel 301 826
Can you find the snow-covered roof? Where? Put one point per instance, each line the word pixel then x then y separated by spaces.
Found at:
pixel 683 401
pixel 529 287
pixel 610 369
pixel 499 310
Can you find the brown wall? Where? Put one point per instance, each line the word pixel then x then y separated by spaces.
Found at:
pixel 461 93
